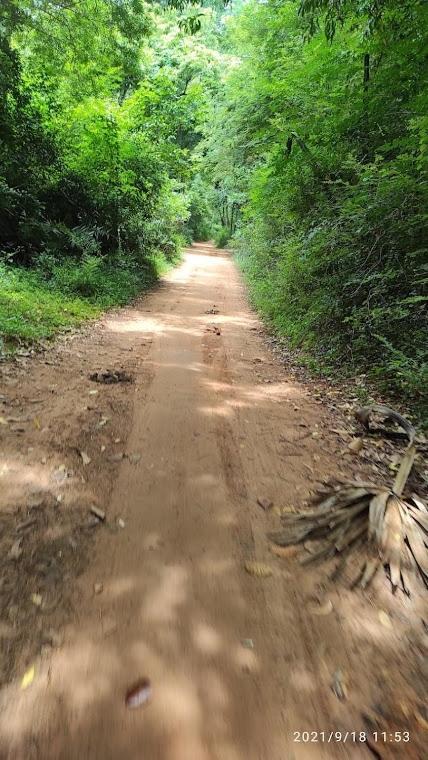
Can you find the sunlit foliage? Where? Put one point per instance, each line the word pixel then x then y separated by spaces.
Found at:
pixel 101 107
pixel 321 138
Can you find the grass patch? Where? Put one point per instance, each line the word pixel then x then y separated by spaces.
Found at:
pixel 30 310
pixel 38 303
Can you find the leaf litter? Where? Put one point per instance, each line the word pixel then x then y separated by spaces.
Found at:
pixel 265 503
pixel 86 459
pixel 28 678
pixel 139 694
pixel 41 549
pixel 258 569
pixel 321 608
pixel 98 513
pixel 373 520
pixel 110 376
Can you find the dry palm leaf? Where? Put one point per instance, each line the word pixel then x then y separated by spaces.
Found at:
pixel 393 531
pixel 389 415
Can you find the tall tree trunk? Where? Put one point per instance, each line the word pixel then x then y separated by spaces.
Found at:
pixel 366 77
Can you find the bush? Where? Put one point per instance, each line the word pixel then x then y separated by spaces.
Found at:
pixel 334 225
pixel 37 303
pixel 30 309
pixel 199 226
pixel 108 281
pixel 222 237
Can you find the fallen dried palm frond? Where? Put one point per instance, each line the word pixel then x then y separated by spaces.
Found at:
pixel 364 414
pixel 392 531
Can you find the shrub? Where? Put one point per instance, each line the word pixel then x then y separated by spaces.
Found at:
pixel 222 237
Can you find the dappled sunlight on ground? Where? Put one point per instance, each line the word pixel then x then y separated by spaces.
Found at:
pixel 187 706
pixel 18 478
pixel 163 603
pixel 236 661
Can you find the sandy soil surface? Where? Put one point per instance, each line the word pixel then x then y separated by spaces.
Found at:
pixel 239 665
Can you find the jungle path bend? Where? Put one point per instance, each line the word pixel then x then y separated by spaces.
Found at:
pixel 236 662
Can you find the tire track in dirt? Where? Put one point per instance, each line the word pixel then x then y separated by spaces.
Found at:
pixel 206 421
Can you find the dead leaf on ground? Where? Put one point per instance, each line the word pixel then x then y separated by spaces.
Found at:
pixel 321 608
pixel 364 414
pixel 338 685
pixel 3 421
pixel 356 445
pixel 312 547
pixel 308 467
pixel 285 510
pixel 284 551
pixel 420 503
pixel 264 503
pixel 28 677
pixel 258 569
pixel 99 513
pixel 85 458
pixel 139 694
pixel 391 530
pixel 385 619
pixel 37 599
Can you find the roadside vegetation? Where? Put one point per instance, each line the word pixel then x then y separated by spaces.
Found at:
pixel 101 105
pixel 320 141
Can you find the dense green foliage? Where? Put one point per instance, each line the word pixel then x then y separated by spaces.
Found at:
pixel 101 104
pixel 321 135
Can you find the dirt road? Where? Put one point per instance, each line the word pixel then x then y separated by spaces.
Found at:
pixel 237 663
